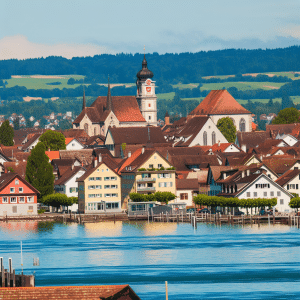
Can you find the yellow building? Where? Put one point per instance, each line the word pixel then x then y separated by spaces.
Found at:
pixel 99 190
pixel 146 172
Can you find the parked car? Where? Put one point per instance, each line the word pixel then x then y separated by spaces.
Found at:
pixel 239 213
pixel 204 210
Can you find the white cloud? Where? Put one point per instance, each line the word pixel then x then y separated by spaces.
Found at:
pixel 19 47
pixel 291 30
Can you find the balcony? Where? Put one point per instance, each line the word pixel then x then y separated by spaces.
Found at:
pixel 146 189
pixel 146 180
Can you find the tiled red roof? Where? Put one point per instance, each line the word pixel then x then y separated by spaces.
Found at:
pixel 219 102
pixel 287 176
pixel 105 292
pixel 125 108
pixel 52 154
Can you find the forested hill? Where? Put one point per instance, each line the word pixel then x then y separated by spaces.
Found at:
pixel 183 67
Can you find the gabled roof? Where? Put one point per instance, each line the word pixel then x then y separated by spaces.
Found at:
pixel 275 129
pixel 93 169
pixel 35 137
pixel 268 179
pixel 187 184
pixel 136 135
pixel 83 155
pixel 104 292
pixel 280 163
pixel 287 176
pixel 219 102
pixel 18 167
pixel 52 154
pixel 6 178
pixel 68 175
pixel 251 139
pixel 125 108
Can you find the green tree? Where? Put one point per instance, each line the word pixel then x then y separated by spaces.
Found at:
pixel 295 203
pixel 136 197
pixel 286 102
pixel 270 103
pixel 57 200
pixel 39 171
pixel 53 140
pixel 6 134
pixel 287 116
pixel 164 197
pixel 226 126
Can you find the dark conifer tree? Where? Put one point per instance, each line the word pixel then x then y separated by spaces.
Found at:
pixel 6 134
pixel 39 171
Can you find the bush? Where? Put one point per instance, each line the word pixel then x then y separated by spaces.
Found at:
pixel 41 211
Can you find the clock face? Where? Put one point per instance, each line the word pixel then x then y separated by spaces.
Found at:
pixel 148 81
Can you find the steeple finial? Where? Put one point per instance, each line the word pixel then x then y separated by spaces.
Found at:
pixel 83 100
pixel 109 105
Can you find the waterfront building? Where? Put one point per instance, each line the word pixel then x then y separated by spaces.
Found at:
pixel 146 171
pixel 17 196
pixel 253 182
pixel 99 189
pixel 290 180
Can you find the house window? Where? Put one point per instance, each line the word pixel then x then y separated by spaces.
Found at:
pixel 22 199
pixel 20 190
pixel 278 193
pixel 281 201
pixel 4 200
pixel 242 125
pixel 72 189
pixel 91 178
pixel 14 209
pixel 205 138
pixel 91 187
pixel 150 166
pixel 265 194
pixel 149 105
pixel 213 138
pixel 255 194
pixel 183 196
pixel 13 200
pixel 12 190
pixel 30 208
pixel 29 199
pixel 248 194
pixel 149 117
pixel 272 194
pixel 16 182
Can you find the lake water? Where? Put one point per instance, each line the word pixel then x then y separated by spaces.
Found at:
pixel 210 262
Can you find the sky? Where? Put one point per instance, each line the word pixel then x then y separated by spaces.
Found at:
pixel 68 28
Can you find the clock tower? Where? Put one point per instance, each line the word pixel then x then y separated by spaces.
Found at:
pixel 146 97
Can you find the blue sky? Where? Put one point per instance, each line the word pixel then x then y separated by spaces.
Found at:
pixel 35 28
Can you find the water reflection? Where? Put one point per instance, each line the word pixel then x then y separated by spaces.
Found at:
pixel 19 228
pixel 103 229
pixel 45 226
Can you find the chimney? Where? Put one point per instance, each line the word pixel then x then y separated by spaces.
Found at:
pixel 100 157
pixel 244 148
pixel 143 150
pixel 248 172
pixel 219 143
pixel 129 154
pixel 72 167
pixel 167 119
pixel 243 174
pixel 95 162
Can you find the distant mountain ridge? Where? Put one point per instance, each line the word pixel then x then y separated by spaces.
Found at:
pixel 169 67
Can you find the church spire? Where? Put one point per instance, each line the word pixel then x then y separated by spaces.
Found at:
pixel 109 105
pixel 83 100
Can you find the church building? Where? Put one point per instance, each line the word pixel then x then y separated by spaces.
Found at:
pixel 219 104
pixel 121 111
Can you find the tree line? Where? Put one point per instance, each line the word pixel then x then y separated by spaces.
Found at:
pixel 178 67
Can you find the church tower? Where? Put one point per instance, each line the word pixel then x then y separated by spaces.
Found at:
pixel 146 97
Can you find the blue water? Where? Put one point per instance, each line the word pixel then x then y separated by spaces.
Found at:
pixel 209 262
